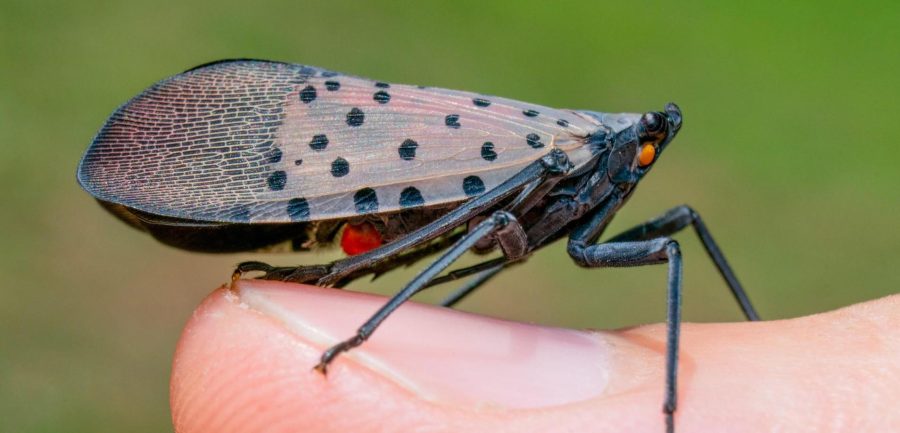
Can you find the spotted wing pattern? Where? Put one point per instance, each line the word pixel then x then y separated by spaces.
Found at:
pixel 256 141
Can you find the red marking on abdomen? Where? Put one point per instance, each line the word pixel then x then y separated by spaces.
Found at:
pixel 360 238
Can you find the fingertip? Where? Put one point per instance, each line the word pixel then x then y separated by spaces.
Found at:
pixel 239 370
pixel 236 370
pixel 227 375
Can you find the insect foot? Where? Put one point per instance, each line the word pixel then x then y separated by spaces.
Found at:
pixel 334 351
pixel 294 274
pixel 245 267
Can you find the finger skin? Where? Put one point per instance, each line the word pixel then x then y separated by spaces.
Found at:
pixel 238 369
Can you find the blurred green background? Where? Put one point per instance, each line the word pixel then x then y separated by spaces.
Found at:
pixel 789 151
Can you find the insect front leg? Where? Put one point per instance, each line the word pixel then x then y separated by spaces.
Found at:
pixel 498 222
pixel 647 252
pixel 674 221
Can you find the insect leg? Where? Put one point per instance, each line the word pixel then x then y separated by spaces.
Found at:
pixel 492 267
pixel 674 221
pixel 405 259
pixel 514 244
pixel 645 252
pixel 497 221
pixel 470 270
pixel 552 165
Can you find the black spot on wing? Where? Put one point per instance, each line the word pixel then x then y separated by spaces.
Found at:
pixel 411 197
pixel 340 167
pixel 318 142
pixel 407 150
pixel 277 180
pixel 308 94
pixel 562 122
pixel 473 185
pixel 298 209
pixel 381 97
pixel 366 201
pixel 479 102
pixel 452 120
pixel 382 85
pixel 332 85
pixel 355 117
pixel 534 141
pixel 488 152
pixel 298 162
pixel 530 113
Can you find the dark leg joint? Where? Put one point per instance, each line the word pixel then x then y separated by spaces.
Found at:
pixel 669 408
pixel 511 237
pixel 556 162
pixel 669 412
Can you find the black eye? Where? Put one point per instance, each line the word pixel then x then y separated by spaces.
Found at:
pixel 653 123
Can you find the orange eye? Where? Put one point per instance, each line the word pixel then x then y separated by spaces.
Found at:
pixel 648 152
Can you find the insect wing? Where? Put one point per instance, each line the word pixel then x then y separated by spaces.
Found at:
pixel 255 141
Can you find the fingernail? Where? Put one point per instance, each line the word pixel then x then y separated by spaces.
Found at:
pixel 443 355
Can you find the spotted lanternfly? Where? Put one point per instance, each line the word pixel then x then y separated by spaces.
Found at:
pixel 243 154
